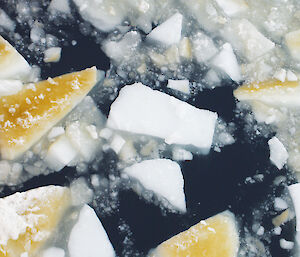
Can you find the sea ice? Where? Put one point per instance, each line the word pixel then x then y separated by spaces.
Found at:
pixel 278 153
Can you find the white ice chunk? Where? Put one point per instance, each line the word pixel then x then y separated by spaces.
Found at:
pixel 6 22
pixel 117 143
pixel 140 109
pixel 180 154
pixel 163 177
pixel 247 39
pixel 280 75
pixel 179 85
pixel 278 153
pixel 104 14
pixel 123 49
pixel 280 204
pixel 284 244
pixel 227 62
pixel 169 32
pixel 291 76
pixel 10 87
pixel 295 194
pixel 203 47
pixel 61 6
pixel 92 130
pixel 52 54
pixel 292 40
pixel 55 132
pixel 232 7
pixel 88 237
pixel 60 153
pixel 54 252
pixel 80 192
pixel 106 133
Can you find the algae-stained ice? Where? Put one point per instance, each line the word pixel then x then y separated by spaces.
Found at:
pixel 140 109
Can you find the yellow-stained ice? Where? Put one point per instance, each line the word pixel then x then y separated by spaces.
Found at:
pixel 40 210
pixel 215 237
pixel 26 116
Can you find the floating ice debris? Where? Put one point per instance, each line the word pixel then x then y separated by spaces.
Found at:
pixel 292 42
pixel 62 6
pixel 80 192
pixel 284 244
pixel 6 22
pixel 278 153
pixel 88 237
pixel 53 252
pixel 52 54
pixel 226 61
pixel 203 47
pixel 140 109
pixel 232 7
pixel 169 32
pixel 295 194
pixel 179 85
pixel 163 177
pixel 180 154
pixel 280 75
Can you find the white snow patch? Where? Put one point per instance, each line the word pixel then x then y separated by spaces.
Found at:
pixel 140 109
pixel 278 153
pixel 227 62
pixel 10 87
pixel 88 237
pixel 295 194
pixel 163 177
pixel 54 252
pixel 179 85
pixel 169 32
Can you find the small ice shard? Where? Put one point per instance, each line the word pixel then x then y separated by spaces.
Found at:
pixel 6 22
pixel 292 40
pixel 140 109
pixel 185 48
pixel 55 132
pixel 232 7
pixel 163 177
pixel 247 39
pixel 284 244
pixel 60 153
pixel 169 32
pixel 80 192
pixel 227 62
pixel 123 49
pixel 12 64
pixel 61 6
pixel 180 154
pixel 53 252
pixel 203 47
pixel 278 153
pixel 179 85
pixel 280 204
pixel 291 76
pixel 295 194
pixel 104 15
pixel 280 75
pixel 117 143
pixel 10 87
pixel 52 54
pixel 88 237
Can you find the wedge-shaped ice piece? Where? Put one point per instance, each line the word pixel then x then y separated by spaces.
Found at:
pixel 28 219
pixel 52 54
pixel 140 109
pixel 213 237
pixel 163 177
pixel 12 64
pixel 88 237
pixel 295 194
pixel 104 15
pixel 179 85
pixel 271 93
pixel 232 7
pixel 29 114
pixel 169 32
pixel 10 87
pixel 292 40
pixel 203 47
pixel 245 37
pixel 226 61
pixel 278 153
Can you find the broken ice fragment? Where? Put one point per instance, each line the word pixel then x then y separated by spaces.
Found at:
pixel 278 153
pixel 179 85
pixel 140 109
pixel 52 54
pixel 203 47
pixel 12 64
pixel 6 22
pixel 232 7
pixel 88 237
pixel 61 6
pixel 53 252
pixel 10 87
pixel 117 143
pixel 169 32
pixel 295 194
pixel 163 177
pixel 280 75
pixel 247 39
pixel 180 154
pixel 226 61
